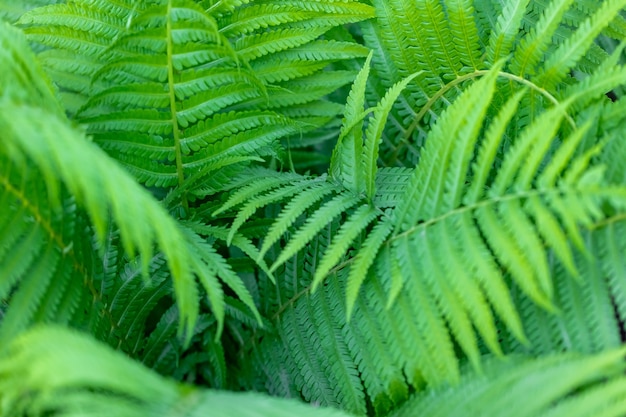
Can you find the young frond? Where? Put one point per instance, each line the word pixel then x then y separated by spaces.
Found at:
pixel 294 209
pixel 345 165
pixel 374 131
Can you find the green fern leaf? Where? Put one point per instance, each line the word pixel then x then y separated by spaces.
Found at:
pixel 374 131
pixel 354 225
pixel 555 378
pixel 364 258
pixel 431 195
pixel 506 30
pixel 565 57
pixel 293 210
pixel 108 382
pixel 464 32
pixel 346 160
pixel 314 224
pixel 533 46
pixel 250 207
pixel 261 182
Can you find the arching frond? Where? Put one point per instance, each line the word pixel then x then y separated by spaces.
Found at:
pixel 563 385
pixel 93 380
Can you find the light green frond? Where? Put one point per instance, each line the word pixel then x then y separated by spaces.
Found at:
pixel 93 380
pixel 318 220
pixel 347 233
pixel 374 131
pixel 464 32
pixel 504 389
pixel 363 260
pixel 345 164
pixel 65 164
pixel 294 209
pixel 257 184
pixel 534 45
pixel 489 148
pixel 262 200
pixel 506 30
pixel 440 154
pixel 519 215
pixel 567 54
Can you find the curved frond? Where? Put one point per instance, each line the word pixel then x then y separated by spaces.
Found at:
pixel 94 380
pixel 503 389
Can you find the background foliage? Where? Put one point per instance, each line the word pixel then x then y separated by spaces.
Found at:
pixel 325 208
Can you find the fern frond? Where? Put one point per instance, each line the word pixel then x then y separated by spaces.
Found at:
pixel 431 194
pixel 374 131
pixel 90 379
pixel 320 218
pixel 293 210
pixel 503 389
pixel 567 54
pixel 264 14
pixel 170 101
pixel 464 32
pixel 61 156
pixel 40 143
pixel 506 29
pixel 256 202
pixel 347 233
pixel 363 260
pixel 533 46
pixel 345 164
pixel 304 60
pixel 520 191
pixel 75 37
pixel 24 80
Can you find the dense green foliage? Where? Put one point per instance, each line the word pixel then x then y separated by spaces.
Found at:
pixel 385 208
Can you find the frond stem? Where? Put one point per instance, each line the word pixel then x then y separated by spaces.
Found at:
pixel 610 220
pixel 484 203
pixel 172 96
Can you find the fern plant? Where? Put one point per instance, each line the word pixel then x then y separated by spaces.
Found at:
pixel 383 208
